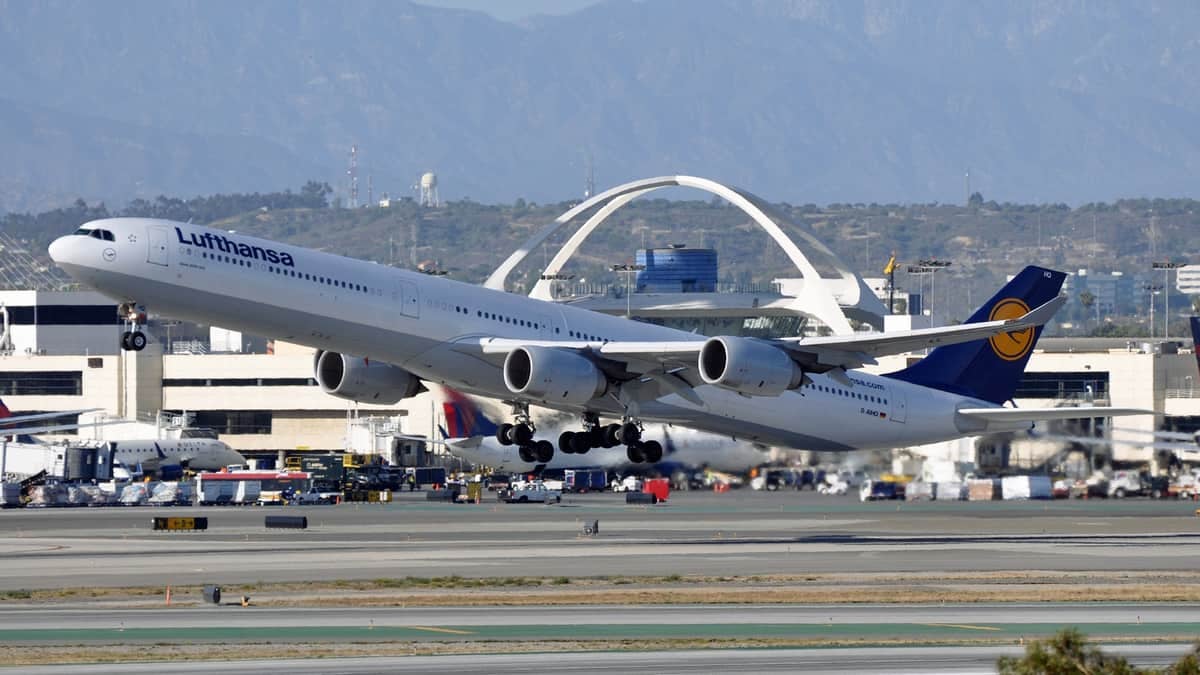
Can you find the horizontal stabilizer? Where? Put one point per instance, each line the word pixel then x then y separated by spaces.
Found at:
pixel 980 420
pixel 1035 414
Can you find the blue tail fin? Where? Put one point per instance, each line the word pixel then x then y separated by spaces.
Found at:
pixel 464 419
pixel 990 369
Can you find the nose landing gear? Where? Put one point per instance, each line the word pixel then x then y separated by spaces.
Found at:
pixel 133 317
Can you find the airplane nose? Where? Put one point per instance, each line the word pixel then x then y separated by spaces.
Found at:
pixel 58 249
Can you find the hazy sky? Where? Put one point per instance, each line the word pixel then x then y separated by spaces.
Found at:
pixel 511 10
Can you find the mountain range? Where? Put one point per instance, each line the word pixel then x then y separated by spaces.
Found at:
pixel 805 101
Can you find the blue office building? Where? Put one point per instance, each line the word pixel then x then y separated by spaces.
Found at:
pixel 677 270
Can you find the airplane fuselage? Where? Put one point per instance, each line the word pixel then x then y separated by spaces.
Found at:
pixel 423 324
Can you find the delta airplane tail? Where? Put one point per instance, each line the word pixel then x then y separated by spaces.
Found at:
pixel 990 369
pixel 464 419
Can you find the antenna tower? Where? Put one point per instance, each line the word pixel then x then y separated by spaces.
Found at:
pixel 352 172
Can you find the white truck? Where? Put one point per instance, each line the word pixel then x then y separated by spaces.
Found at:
pixel 524 492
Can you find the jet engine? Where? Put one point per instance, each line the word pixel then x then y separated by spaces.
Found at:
pixel 748 366
pixel 553 375
pixel 358 379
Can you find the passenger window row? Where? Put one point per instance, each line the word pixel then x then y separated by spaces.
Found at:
pixel 836 391
pixel 492 316
pixel 589 338
pixel 284 271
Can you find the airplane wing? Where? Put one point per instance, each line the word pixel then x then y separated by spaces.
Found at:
pixel 814 354
pixel 19 419
pixel 45 429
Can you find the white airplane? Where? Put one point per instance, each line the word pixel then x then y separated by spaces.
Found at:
pixel 470 434
pixel 168 457
pixel 380 331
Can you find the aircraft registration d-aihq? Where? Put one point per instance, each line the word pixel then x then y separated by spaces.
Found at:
pixel 379 331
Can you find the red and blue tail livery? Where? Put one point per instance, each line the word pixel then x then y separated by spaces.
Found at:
pixel 464 419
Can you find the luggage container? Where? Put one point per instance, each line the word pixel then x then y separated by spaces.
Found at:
pixel 949 491
pixel 659 487
pixel 981 490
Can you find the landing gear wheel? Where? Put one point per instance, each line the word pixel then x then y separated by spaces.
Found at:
pixel 125 341
pixel 503 434
pixel 522 434
pixel 596 437
pixel 137 341
pixel 581 443
pixel 544 451
pixel 566 442
pixel 652 452
pixel 526 454
pixel 630 433
pixel 612 436
pixel 634 453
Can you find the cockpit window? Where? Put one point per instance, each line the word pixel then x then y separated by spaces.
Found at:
pixel 103 235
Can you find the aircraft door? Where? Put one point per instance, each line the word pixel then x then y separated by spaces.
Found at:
pixel 545 330
pixel 410 299
pixel 899 404
pixel 157 242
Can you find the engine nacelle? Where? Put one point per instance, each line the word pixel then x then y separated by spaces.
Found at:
pixel 553 375
pixel 748 366
pixel 357 379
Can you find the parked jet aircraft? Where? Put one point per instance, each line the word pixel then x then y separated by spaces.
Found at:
pixel 379 331
pixel 470 434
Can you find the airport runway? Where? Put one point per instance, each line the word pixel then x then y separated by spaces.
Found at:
pixel 743 533
pixel 40 618
pixel 852 660
pixel 737 534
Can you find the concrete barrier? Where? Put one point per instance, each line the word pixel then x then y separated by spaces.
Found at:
pixel 288 522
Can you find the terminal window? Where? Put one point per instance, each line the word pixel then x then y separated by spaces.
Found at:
pixel 1070 385
pixel 42 383
pixel 235 421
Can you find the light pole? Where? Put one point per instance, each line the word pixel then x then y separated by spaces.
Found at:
pixel 930 267
pixel 1152 290
pixel 1166 267
pixel 627 270
pixel 556 277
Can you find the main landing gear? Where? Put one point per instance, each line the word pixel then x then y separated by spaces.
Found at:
pixel 521 435
pixel 133 317
pixel 595 435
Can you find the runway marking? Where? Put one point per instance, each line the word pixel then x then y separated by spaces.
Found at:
pixel 443 630
pixel 961 625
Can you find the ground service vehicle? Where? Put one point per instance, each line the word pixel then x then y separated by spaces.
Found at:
pixel 525 492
